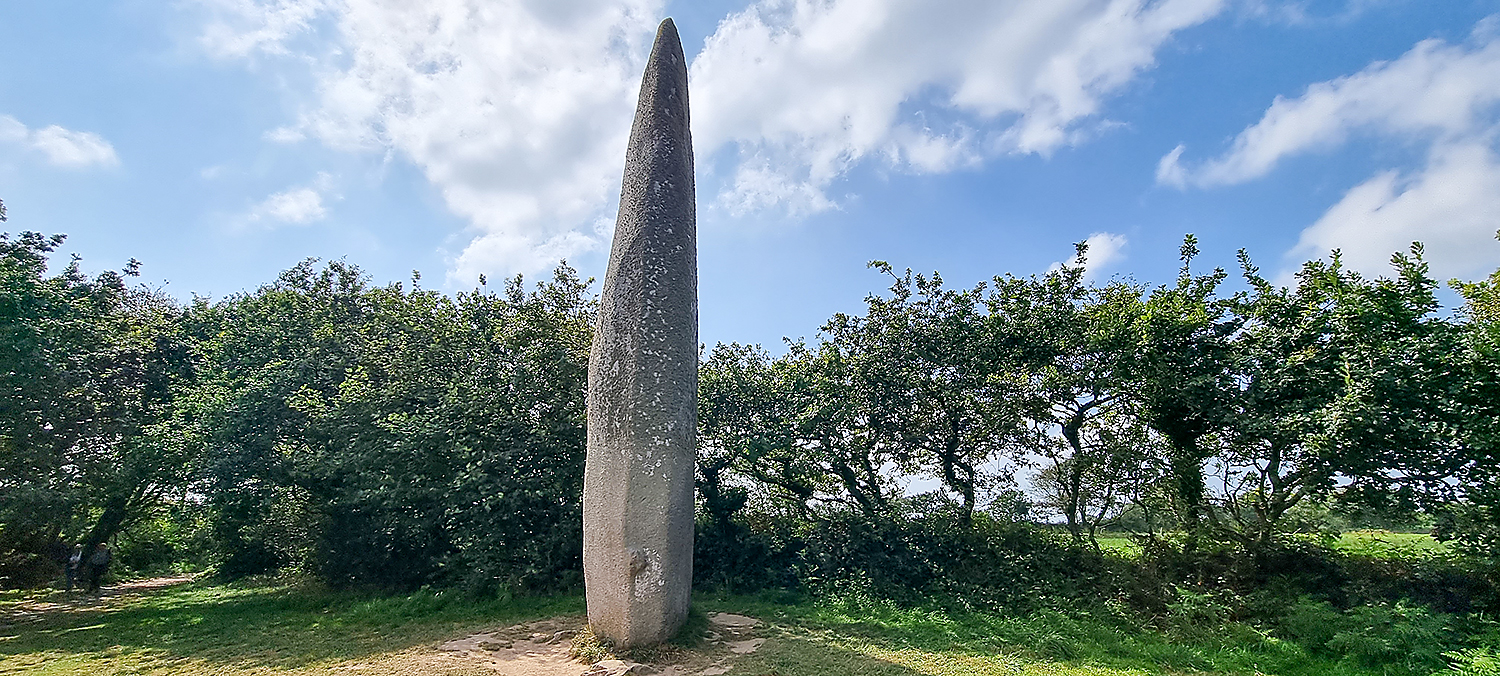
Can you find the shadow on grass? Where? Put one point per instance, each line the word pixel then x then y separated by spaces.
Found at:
pixel 271 627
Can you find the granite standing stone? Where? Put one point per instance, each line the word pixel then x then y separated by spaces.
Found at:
pixel 643 377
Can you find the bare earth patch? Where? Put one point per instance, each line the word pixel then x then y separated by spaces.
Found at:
pixel 541 649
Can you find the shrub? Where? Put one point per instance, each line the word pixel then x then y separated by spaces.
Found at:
pixel 1471 662
pixel 1446 582
pixel 931 553
pixel 1311 623
pixel 174 539
pixel 1194 613
pixel 738 558
pixel 1402 635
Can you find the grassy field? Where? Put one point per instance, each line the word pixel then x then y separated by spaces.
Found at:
pixel 201 629
pixel 205 629
pixel 1377 543
pixel 877 639
pixel 1119 544
pixel 1384 543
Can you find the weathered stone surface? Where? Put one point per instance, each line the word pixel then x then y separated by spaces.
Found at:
pixel 643 377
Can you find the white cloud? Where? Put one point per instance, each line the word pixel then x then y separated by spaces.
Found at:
pixel 809 88
pixel 517 111
pixel 1169 170
pixel 760 185
pixel 12 131
pixel 521 253
pixel 1105 249
pixel 1306 12
pixel 1452 206
pixel 242 28
pixel 298 206
pixel 62 147
pixel 1441 97
pixel 67 148
pixel 1436 93
pixel 284 135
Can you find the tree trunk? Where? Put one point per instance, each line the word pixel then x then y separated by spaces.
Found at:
pixel 1187 474
pixel 852 485
pixel 959 475
pixel 116 510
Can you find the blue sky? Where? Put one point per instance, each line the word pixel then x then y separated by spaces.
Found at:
pixel 221 141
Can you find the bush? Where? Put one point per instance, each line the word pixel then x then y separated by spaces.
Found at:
pixel 739 558
pixel 917 558
pixel 174 539
pixel 1195 613
pixel 1471 662
pixel 1446 582
pixel 1311 623
pixel 1407 636
pixel 24 570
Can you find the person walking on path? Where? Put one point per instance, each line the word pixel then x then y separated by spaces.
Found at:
pixel 71 567
pixel 98 563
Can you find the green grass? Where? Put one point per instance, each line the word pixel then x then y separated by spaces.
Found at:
pixel 1387 544
pixel 872 638
pixel 1119 544
pixel 209 629
pixel 1372 543
pixel 200 629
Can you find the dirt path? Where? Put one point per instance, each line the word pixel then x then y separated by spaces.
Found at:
pixel 38 608
pixel 542 649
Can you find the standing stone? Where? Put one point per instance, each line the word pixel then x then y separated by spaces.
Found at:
pixel 643 377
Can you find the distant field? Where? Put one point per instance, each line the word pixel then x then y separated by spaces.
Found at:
pixel 1384 543
pixel 1378 543
pixel 1119 544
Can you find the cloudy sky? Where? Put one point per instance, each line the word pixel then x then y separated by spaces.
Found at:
pixel 221 141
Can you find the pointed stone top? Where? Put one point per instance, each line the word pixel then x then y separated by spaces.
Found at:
pixel 664 84
pixel 666 36
pixel 666 25
pixel 660 151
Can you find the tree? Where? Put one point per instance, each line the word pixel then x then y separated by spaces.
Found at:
pixel 258 352
pixel 1067 347
pixel 793 428
pixel 1391 429
pixel 1472 519
pixel 1181 380
pixel 1290 369
pixel 748 434
pixel 1095 482
pixel 930 382
pixel 90 371
pixel 1345 385
pixel 397 437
